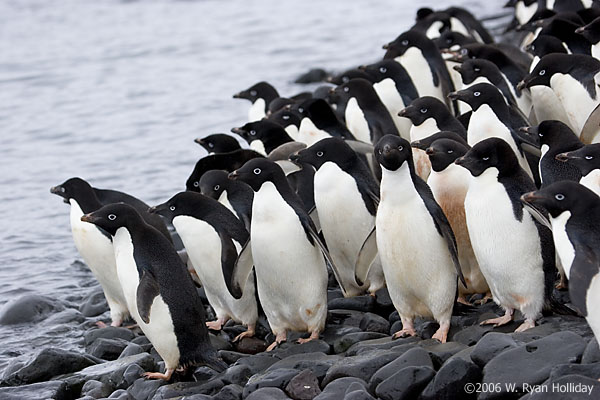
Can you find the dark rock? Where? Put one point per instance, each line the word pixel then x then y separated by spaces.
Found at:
pixel 334 332
pixel 180 389
pixel 358 395
pixel 67 316
pixel 258 362
pixel 564 388
pixel 471 335
pixel 441 352
pixel 374 323
pixel 250 345
pixel 120 394
pixel 449 383
pixel 94 304
pixel 463 354
pixel 96 389
pixel 555 323
pixel 380 344
pixel 318 363
pixel 229 392
pixel 362 366
pixel 142 341
pixel 219 343
pixel 312 76
pixel 589 370
pixel 334 294
pixel 345 342
pixel 384 301
pixel 364 303
pixel 405 384
pixel 236 374
pixel 278 378
pixel 131 374
pixel 231 356
pixel 344 317
pixel 107 349
pixel 48 363
pixel 414 357
pixel 144 389
pixel 337 389
pixel 268 393
pixel 396 327
pixel 35 391
pixel 29 308
pixel 394 317
pixel 304 386
pixel 110 332
pixel 490 346
pixel 131 349
pixel 426 329
pixel 314 346
pixel 530 363
pixel 196 397
pixel 591 353
pixel 203 374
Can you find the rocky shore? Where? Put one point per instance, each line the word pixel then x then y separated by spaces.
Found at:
pixel 355 358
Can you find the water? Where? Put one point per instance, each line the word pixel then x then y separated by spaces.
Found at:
pixel 116 91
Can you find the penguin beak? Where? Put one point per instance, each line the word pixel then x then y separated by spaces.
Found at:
pixel 91 218
pixel 460 161
pixel 239 131
pixel 457 68
pixel 417 145
pixel 523 84
pixel 59 191
pixel 531 138
pixel 332 91
pixel 455 95
pixel 429 151
pixel 387 149
pixel 199 141
pixel 580 30
pixel 234 175
pixel 564 157
pixel 295 157
pixel 530 197
pixel 386 46
pixel 237 95
pixel 404 112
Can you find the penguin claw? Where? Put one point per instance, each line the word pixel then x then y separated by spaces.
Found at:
pixel 463 300
pixel 248 333
pixel 101 324
pixel 157 375
pixel 214 325
pixel 404 333
pixel 528 324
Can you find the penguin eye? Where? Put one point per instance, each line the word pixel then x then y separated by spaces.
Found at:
pixel 464 52
pixel 379 151
pixel 542 72
pixel 253 93
pixel 253 132
pixel 319 154
pixel 112 217
pixel 588 157
pixel 405 42
pixel 217 187
pixel 257 171
pixel 476 94
pixel 346 89
pixel 448 40
pixel 485 158
pixel 62 189
pixel 532 47
pixel 423 110
pixel 211 144
pixel 345 79
pixel 476 69
pixel 559 196
pixel 450 151
pixel 196 184
pixel 400 148
pixel 540 134
pixel 300 109
pixel 286 117
pixel 172 208
pixel 383 70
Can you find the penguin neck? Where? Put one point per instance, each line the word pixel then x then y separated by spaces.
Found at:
pixel 88 201
pixel 395 184
pixel 499 109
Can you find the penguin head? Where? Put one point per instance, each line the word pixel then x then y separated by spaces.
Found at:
pixel 586 159
pixel 113 216
pixel 345 76
pixel 183 203
pixel 562 196
pixel 591 31
pixel 73 188
pixel 451 40
pixel 489 153
pixel 262 130
pixel 477 95
pixel 392 151
pixel 545 44
pixel 284 117
pixel 257 91
pixel 545 68
pixel 218 143
pixel 549 133
pixel 404 42
pixel 278 104
pixel 444 152
pixel 474 68
pixel 258 171
pixel 213 183
pixel 423 144
pixel 355 87
pixel 384 69
pixel 332 149
pixel 423 108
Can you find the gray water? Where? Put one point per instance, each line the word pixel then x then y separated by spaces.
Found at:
pixel 116 91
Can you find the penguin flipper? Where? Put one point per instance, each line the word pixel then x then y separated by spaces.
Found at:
pixel 360 147
pixel 288 167
pixel 328 258
pixel 591 128
pixel 583 269
pixel 229 257
pixel 314 215
pixel 241 270
pixel 536 214
pixel 147 290
pixel 366 256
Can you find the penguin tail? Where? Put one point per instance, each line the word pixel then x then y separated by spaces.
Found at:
pixel 554 306
pixel 204 355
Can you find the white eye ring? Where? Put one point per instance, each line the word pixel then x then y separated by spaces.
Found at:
pixel 423 110
pixel 112 217
pixel 400 148
pixel 559 196
pixel 540 134
pixel 476 69
pixel 345 79
pixel 286 117
pixel 257 171
pixel 217 187
pixel 588 157
pixel 300 109
pixel 464 52
pixel 485 158
pixel 252 132
pixel 346 89
pixel 542 72
pixel 62 189
pixel 450 151
pixel 196 184
pixel 172 208
pixel 404 42
pixel 383 70
pixel 253 93
pixel 211 144
pixel 476 94
pixel 379 151
pixel 319 154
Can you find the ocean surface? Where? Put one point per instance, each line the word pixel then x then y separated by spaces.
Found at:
pixel 116 91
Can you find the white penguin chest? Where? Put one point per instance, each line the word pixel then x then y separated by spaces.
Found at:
pixel 564 248
pixel 292 131
pixel 419 70
pixel 592 301
pixel 224 199
pixel 356 121
pixel 426 129
pixel 388 94
pixel 592 181
pixel 257 110
pixel 95 248
pixel 258 146
pixel 574 98
pixel 309 134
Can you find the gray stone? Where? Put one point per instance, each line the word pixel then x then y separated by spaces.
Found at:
pixel 359 303
pixel 344 317
pixel 591 353
pixel 567 383
pixel 337 389
pixel 29 308
pixel 237 374
pixel 64 317
pixel 131 349
pixel 35 391
pixel 589 370
pixel 110 332
pixel 229 392
pixel 362 366
pixel 345 342
pixel 144 389
pixel 405 384
pixel 203 374
pixel 490 346
pixel 131 374
pixel 231 357
pixel 181 389
pixel 258 362
pixel 304 386
pixel 414 357
pixel 289 349
pixel 268 393
pixel 278 378
pixel 374 323
pixel 385 343
pixel 107 349
pixel 441 352
pixel 96 389
pixel 94 304
pixel 449 383
pixel 120 394
pixel 318 363
pixel 219 343
pixel 471 335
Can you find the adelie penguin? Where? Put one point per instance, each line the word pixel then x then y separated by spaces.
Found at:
pixel 284 243
pixel 346 198
pixel 319 121
pixel 415 243
pixel 94 244
pixel 218 143
pixel 158 289
pixel 591 32
pixel 515 252
pixel 263 136
pixel 575 215
pixel 213 238
pixel 587 160
pixel 260 95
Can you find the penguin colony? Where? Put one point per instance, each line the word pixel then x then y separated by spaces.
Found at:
pixel 455 169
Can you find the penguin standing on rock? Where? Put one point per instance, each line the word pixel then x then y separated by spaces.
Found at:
pixel 415 242
pixel 159 292
pixel 587 160
pixel 260 95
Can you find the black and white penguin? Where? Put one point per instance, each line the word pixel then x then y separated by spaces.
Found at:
pixel 571 78
pixel 423 144
pixel 449 184
pixel 345 76
pixel 587 160
pixel 564 29
pixel 260 95
pixel 423 62
pixel 235 195
pixel 515 252
pixel 591 32
pixel 213 238
pixel 159 292
pixel 284 243
pixel 346 198
pixel 263 136
pixel 288 120
pixel 319 121
pixel 95 245
pixel 415 242
pixel 553 138
pixel 219 143
pixel 575 215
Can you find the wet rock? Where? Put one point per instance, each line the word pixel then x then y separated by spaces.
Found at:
pixel 48 363
pixel 35 391
pixel 490 346
pixel 229 392
pixel 374 323
pixel 564 388
pixel 589 370
pixel 318 363
pixel 142 341
pixel 131 374
pixel 304 386
pixel 426 329
pixel 362 366
pixel 110 332
pixel 396 327
pixel 203 374
pixel 94 304
pixel 449 383
pixel 258 362
pixel 384 301
pixel 291 348
pixel 337 389
pixel 278 378
pixel 552 324
pixel 107 349
pixel 96 389
pixel 268 393
pixel 13 366
pixel 251 345
pixel 219 343
pixel 345 342
pixel 131 349
pixel 405 384
pixel 181 389
pixel 358 395
pixel 344 317
pixel 120 394
pixel 29 308
pixel 441 352
pixel 531 363
pixel 67 316
pixel 471 335
pixel 463 354
pixel 591 353
pixel 231 356
pixel 236 374
pixel 364 303
pixel 144 389
pixel 312 76
pixel 380 344
pixel 414 357
pixel 334 332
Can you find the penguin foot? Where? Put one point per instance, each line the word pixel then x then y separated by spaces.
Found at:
pixel 528 324
pixel 404 333
pixel 157 375
pixel 279 338
pixel 101 324
pixel 249 333
pixel 313 336
pixel 132 326
pixel 505 319
pixel 486 298
pixel 215 325
pixel 442 333
pixel 463 300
